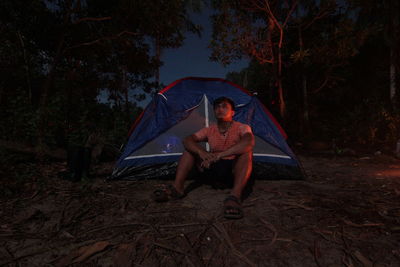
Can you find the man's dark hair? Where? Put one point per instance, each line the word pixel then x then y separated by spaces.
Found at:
pixel 219 100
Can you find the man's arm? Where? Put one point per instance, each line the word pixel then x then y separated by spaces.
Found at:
pixel 245 145
pixel 191 144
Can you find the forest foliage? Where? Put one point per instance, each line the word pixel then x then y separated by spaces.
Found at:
pixel 328 69
pixel 72 67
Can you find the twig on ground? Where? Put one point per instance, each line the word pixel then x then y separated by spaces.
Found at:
pixel 21 235
pixel 366 262
pixel 316 253
pixel 116 226
pixel 189 261
pixel 292 205
pixel 219 229
pixel 60 221
pixel 169 248
pixel 322 234
pixel 347 261
pixel 163 211
pixel 192 252
pixel 40 251
pixel 181 225
pixel 343 238
pixel 272 229
pixel 362 225
pixel 215 252
pixel 147 252
pixel 266 239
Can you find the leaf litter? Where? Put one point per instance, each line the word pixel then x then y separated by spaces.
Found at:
pixel 346 213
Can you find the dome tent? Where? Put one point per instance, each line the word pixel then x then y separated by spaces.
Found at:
pixel 184 107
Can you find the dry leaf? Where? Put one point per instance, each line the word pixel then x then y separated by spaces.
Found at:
pixel 87 251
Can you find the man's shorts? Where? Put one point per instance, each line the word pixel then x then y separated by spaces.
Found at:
pixel 220 173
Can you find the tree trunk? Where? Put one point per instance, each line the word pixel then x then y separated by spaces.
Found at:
pixel 158 58
pixel 282 104
pixel 305 122
pixel 42 127
pixel 42 120
pixel 393 87
pixel 27 70
pixel 1 94
pixel 306 119
pixel 394 9
pixel 125 89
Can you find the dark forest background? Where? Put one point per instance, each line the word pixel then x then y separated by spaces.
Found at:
pixel 328 70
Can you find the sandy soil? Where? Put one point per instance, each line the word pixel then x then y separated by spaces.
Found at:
pixel 347 213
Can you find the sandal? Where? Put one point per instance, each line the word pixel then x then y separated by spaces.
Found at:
pixel 166 193
pixel 232 211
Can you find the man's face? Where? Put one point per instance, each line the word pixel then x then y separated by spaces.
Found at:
pixel 223 111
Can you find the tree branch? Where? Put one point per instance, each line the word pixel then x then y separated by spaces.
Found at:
pixel 103 39
pixel 290 13
pixel 90 19
pixel 320 15
pixel 321 86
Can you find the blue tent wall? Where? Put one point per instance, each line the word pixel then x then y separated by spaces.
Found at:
pixel 175 103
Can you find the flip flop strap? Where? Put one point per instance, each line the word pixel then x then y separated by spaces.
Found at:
pixel 232 198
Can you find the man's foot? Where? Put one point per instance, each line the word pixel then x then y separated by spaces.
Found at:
pixel 232 208
pixel 166 192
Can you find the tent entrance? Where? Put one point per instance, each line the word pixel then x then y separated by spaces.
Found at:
pixel 169 143
pixel 184 107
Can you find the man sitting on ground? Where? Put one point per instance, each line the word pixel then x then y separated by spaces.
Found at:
pixel 231 144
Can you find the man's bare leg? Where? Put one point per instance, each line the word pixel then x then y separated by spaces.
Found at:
pixel 185 164
pixel 241 171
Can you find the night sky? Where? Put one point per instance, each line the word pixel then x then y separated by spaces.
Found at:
pixel 192 59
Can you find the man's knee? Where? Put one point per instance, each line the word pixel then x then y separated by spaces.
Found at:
pixel 187 154
pixel 246 157
pixel 187 158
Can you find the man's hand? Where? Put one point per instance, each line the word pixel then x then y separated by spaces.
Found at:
pixel 205 164
pixel 206 156
pixel 210 159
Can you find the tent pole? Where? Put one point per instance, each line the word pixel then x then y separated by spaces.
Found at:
pixel 206 117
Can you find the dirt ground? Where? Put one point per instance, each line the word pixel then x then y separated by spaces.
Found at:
pixel 347 213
